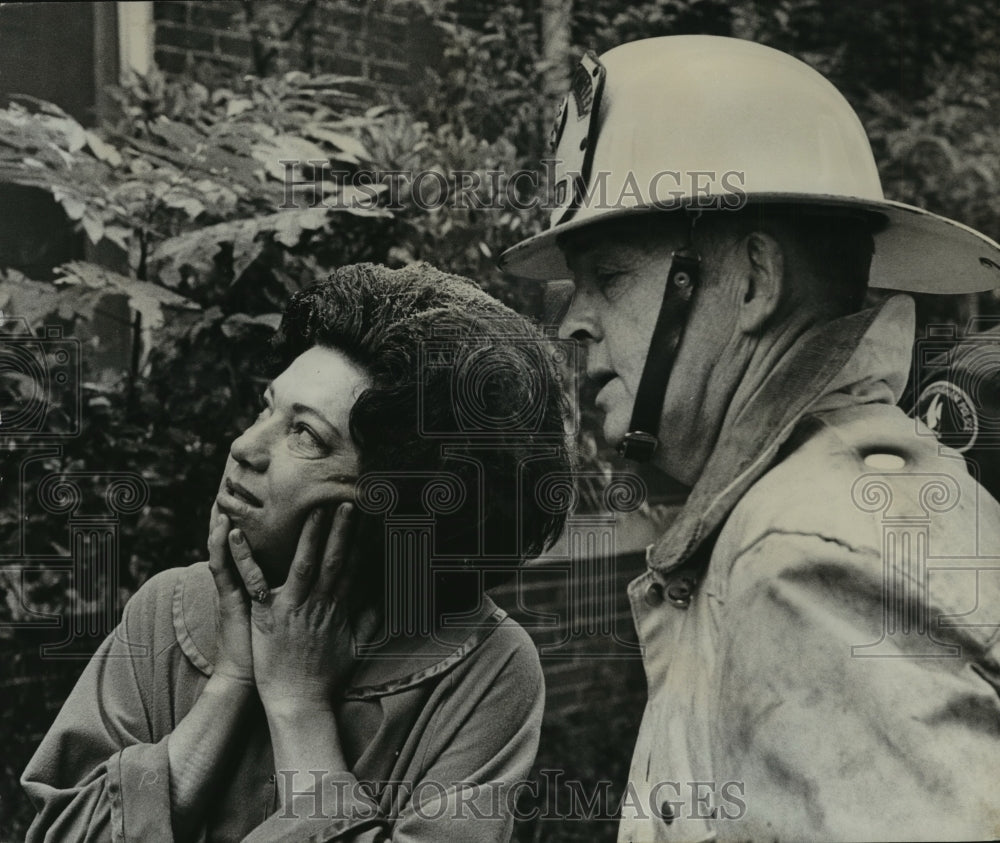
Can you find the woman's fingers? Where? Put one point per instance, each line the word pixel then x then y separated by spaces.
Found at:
pixel 336 551
pixel 225 577
pixel 253 577
pixel 216 541
pixel 302 574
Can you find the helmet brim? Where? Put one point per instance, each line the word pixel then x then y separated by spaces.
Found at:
pixel 915 250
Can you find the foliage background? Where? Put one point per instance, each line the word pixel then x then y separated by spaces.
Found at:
pixel 177 200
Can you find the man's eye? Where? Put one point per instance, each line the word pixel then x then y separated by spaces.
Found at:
pixel 608 282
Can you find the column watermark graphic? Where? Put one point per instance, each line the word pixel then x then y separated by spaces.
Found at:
pixel 934 575
pixel 907 504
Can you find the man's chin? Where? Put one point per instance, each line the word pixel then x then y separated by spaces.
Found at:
pixel 614 431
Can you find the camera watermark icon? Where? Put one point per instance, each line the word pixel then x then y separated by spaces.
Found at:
pixel 957 385
pixel 40 382
pixel 478 367
pixel 40 408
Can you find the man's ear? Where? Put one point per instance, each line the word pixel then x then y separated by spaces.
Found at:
pixel 764 282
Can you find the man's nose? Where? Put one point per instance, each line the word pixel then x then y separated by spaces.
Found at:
pixel 251 449
pixel 581 321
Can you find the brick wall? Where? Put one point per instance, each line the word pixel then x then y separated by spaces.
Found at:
pixel 588 653
pixel 595 691
pixel 378 41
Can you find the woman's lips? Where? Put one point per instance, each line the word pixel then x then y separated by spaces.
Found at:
pixel 235 490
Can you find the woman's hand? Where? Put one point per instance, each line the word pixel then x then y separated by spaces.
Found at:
pixel 234 659
pixel 302 642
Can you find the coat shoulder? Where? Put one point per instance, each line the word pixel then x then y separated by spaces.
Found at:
pixel 846 476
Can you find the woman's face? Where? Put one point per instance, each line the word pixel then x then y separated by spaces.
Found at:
pixel 298 454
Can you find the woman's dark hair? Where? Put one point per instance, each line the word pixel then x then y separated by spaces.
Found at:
pixel 464 391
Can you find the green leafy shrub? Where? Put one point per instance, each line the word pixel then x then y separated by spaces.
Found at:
pixel 184 200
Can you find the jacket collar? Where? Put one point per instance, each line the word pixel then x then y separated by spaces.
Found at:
pixel 857 359
pixel 402 661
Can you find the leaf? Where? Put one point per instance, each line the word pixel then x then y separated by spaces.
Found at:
pixel 236 107
pixel 217 194
pixel 74 208
pixel 117 235
pixel 25 300
pixel 94 228
pixel 65 158
pixel 286 148
pixel 103 151
pixel 289 226
pixel 195 249
pixel 246 248
pixel 177 135
pixel 73 135
pixel 240 324
pixel 95 281
pixel 198 248
pixel 353 150
pixel 188 204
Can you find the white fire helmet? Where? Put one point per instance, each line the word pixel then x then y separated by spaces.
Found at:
pixel 711 123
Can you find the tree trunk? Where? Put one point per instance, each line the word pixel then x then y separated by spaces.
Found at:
pixel 556 16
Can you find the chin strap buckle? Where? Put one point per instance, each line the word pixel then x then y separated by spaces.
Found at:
pixel 638 445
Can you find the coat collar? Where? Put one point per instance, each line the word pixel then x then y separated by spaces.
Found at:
pixel 402 663
pixel 857 359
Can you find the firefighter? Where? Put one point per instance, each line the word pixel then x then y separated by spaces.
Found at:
pixel 821 621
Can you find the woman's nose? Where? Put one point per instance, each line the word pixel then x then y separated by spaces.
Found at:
pixel 250 448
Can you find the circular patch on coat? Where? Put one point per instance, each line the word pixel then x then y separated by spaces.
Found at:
pixel 948 410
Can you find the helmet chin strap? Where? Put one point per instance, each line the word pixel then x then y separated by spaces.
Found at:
pixel 641 441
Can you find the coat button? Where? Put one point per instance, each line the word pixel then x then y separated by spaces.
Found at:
pixel 667 813
pixel 679 592
pixel 885 462
pixel 654 594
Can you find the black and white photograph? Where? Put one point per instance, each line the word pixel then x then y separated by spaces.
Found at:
pixel 532 421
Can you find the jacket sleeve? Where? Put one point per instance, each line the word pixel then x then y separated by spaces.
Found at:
pixel 483 743
pixel 849 715
pixel 100 774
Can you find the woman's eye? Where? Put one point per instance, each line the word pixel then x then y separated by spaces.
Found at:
pixel 305 436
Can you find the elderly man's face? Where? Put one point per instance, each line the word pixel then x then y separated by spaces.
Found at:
pixel 619 286
pixel 620 281
pixel 297 455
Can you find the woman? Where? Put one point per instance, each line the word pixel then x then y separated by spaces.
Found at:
pixel 233 702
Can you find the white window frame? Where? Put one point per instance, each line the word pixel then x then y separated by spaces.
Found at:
pixel 135 37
